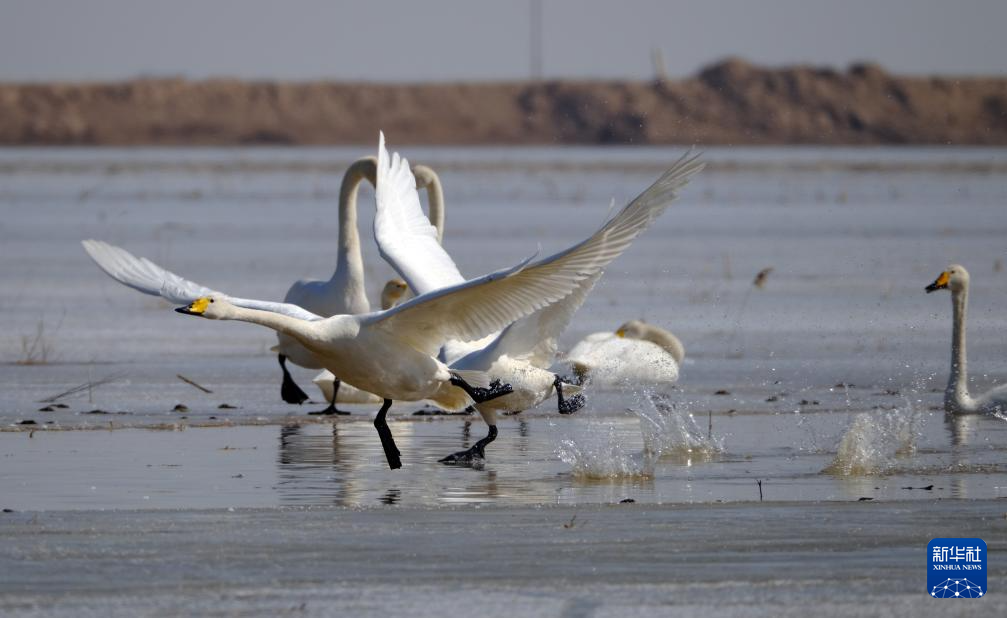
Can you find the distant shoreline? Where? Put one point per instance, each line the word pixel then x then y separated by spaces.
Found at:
pixel 729 103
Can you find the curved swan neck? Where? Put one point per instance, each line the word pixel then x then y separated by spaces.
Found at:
pixel 426 177
pixel 350 264
pixel 666 340
pixel 957 392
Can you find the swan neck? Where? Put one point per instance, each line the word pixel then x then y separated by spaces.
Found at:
pixel 287 325
pixel 426 177
pixel 350 264
pixel 435 198
pixel 957 390
pixel 667 341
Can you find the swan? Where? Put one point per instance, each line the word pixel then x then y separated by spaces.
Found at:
pixel 393 353
pixel 392 294
pixel 522 353
pixel 636 352
pixel 344 292
pixel 956 396
pixel 521 356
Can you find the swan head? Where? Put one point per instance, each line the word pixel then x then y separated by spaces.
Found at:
pixel 206 307
pixel 634 329
pixel 393 293
pixel 955 278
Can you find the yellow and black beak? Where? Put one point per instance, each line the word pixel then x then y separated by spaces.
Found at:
pixel 621 332
pixel 196 307
pixel 941 283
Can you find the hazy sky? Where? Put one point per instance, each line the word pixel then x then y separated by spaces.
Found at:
pixel 471 39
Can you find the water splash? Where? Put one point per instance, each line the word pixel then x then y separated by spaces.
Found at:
pixel 875 440
pixel 667 433
pixel 674 434
pixel 602 453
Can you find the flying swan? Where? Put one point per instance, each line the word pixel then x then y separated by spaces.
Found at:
pixel 343 293
pixel 392 353
pixel 522 353
pixel 956 396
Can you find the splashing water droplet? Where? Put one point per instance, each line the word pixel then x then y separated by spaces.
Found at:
pixel 668 433
pixel 875 440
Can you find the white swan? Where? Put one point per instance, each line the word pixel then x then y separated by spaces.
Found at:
pixel 392 294
pixel 344 292
pixel 521 356
pixel 522 353
pixel 392 353
pixel 637 352
pixel 956 396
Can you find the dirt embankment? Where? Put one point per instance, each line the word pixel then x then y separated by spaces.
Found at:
pixel 732 102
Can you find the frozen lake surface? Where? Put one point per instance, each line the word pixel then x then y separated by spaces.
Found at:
pixel 825 385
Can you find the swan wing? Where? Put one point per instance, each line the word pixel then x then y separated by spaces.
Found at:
pixel 473 309
pixel 536 338
pixel 147 277
pixel 405 237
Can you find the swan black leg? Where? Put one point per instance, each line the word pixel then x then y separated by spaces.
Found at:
pixel 289 390
pixel 481 395
pixel 387 441
pixel 477 452
pixel 332 409
pixel 570 405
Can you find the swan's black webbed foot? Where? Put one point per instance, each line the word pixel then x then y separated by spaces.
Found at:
pixel 387 441
pixel 567 405
pixel 289 390
pixel 482 395
pixel 473 455
pixel 576 380
pixel 332 409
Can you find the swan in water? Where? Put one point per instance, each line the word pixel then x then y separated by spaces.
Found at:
pixel 522 353
pixel 637 352
pixel 344 292
pixel 956 396
pixel 393 353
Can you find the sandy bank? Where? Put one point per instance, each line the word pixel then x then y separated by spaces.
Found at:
pixel 732 102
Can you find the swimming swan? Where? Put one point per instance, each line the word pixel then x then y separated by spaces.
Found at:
pixel 637 352
pixel 344 292
pixel 392 353
pixel 956 396
pixel 522 353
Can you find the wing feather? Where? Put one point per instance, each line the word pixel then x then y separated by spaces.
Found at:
pixel 147 277
pixel 476 308
pixel 405 237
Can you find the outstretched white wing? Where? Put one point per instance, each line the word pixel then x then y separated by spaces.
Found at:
pixel 406 239
pixel 535 338
pixel 476 308
pixel 145 276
